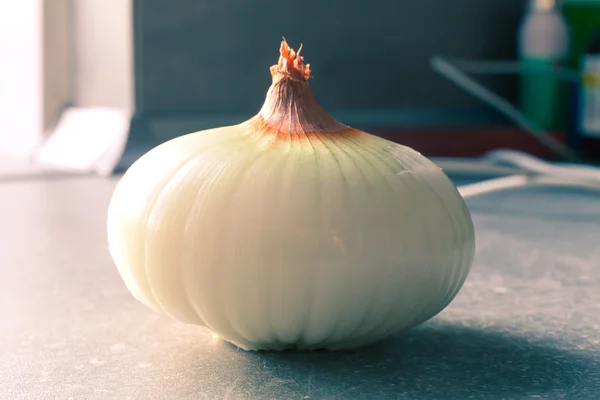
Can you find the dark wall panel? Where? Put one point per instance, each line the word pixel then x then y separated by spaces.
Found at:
pixel 213 56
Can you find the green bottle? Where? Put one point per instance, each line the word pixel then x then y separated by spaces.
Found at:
pixel 543 44
pixel 583 17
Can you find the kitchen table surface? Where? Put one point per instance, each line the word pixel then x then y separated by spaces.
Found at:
pixel 525 325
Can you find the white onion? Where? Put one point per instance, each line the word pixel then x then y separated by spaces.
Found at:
pixel 290 230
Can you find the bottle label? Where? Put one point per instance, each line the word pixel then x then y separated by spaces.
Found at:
pixel 590 96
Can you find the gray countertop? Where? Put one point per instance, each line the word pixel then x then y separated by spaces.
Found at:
pixel 525 325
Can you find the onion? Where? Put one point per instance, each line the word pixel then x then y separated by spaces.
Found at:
pixel 290 230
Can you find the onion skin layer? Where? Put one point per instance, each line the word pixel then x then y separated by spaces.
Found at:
pixel 276 235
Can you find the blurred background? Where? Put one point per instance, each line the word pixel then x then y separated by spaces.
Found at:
pixel 90 85
pixel 87 86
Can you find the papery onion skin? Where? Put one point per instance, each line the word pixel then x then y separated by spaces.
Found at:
pixel 291 230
